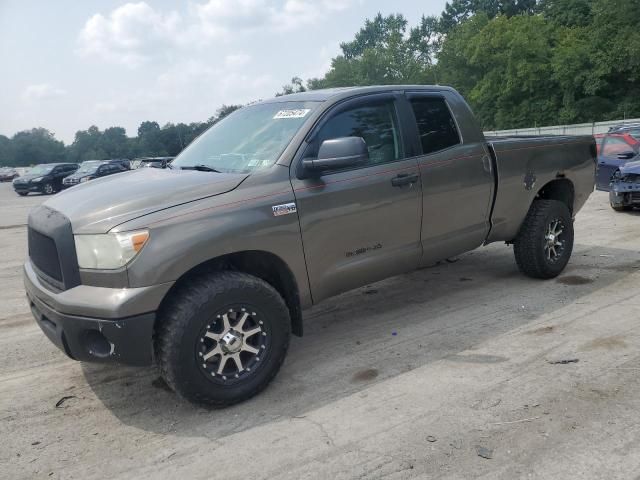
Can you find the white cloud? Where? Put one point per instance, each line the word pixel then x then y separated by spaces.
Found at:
pixel 237 60
pixel 174 90
pixel 134 33
pixel 131 34
pixel 42 91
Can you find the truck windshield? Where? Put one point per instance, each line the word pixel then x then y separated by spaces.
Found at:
pixel 250 138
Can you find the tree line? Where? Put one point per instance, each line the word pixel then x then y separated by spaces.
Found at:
pixel 39 145
pixel 519 63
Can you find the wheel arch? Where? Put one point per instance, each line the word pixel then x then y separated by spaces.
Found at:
pixel 261 264
pixel 560 189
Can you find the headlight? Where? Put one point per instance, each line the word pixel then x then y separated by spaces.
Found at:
pixel 110 250
pixel 38 179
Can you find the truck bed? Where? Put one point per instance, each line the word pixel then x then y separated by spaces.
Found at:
pixel 527 163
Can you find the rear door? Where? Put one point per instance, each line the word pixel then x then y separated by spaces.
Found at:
pixel 361 224
pixel 457 181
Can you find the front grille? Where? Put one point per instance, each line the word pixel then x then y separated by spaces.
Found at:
pixel 52 249
pixel 44 254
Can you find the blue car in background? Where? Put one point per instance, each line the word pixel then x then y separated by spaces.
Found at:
pixel 619 146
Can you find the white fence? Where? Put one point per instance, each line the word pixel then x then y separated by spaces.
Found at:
pixel 577 129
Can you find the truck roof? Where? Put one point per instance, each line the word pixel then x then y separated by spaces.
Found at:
pixel 324 94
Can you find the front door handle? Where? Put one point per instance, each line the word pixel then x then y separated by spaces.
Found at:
pixel 404 179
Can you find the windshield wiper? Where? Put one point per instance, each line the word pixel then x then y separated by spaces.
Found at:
pixel 202 168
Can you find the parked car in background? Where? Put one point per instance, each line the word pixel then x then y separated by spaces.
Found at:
pixel 125 162
pixel 624 193
pixel 616 149
pixel 8 174
pixel 92 169
pixel 154 162
pixel 44 178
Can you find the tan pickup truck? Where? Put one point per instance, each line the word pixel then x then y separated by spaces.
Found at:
pixel 205 267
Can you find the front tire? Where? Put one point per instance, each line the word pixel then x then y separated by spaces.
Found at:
pixel 48 189
pixel 545 240
pixel 221 338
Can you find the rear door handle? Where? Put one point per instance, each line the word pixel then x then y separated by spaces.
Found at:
pixel 486 163
pixel 404 179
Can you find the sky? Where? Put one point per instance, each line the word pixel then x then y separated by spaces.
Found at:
pixel 70 64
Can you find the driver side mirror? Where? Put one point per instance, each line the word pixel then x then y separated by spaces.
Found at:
pixel 626 155
pixel 337 153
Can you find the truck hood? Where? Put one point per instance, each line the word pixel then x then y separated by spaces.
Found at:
pixel 100 205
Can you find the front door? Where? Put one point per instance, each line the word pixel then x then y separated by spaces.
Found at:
pixel 362 224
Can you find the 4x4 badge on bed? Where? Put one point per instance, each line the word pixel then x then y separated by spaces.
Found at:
pixel 284 209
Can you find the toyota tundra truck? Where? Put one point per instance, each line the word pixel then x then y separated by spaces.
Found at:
pixel 206 267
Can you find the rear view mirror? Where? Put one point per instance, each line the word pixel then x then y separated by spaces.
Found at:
pixel 626 155
pixel 338 153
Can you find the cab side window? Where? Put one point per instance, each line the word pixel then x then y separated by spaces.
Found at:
pixel 376 123
pixel 436 126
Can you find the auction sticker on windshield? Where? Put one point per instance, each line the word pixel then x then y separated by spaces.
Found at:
pixel 298 113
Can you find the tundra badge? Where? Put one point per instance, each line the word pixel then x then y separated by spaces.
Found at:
pixel 284 209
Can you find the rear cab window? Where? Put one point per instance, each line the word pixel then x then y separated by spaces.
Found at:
pixel 436 126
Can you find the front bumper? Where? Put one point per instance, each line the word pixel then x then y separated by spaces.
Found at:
pixel 97 324
pixel 624 198
pixel 69 183
pixel 27 187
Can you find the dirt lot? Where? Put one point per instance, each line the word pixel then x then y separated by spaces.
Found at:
pixel 416 376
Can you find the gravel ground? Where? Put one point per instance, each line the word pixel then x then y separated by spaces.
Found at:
pixel 447 372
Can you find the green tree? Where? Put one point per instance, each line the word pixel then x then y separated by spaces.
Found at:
pixel 458 11
pixel 150 140
pixel 225 110
pixel 503 67
pixel 296 86
pixel 383 53
pixel 6 152
pixel 85 146
pixel 34 146
pixel 114 142
pixel 568 13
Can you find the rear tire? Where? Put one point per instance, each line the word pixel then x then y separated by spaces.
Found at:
pixel 207 353
pixel 545 240
pixel 22 194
